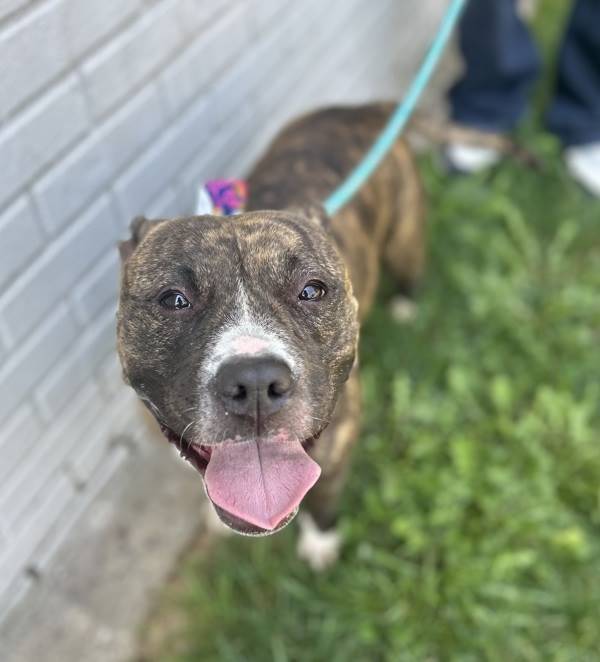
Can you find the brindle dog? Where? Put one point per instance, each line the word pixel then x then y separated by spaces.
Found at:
pixel 240 333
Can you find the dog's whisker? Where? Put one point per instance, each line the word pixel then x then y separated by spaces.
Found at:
pixel 189 441
pixel 185 429
pixel 183 411
pixel 322 420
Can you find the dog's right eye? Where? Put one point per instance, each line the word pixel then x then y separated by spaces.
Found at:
pixel 174 300
pixel 312 291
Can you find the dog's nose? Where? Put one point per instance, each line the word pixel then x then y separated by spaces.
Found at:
pixel 254 386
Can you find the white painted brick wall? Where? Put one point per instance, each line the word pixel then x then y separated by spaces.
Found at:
pixel 52 275
pixel 20 238
pixel 27 145
pixel 109 109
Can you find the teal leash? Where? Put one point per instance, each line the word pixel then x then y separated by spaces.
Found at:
pixel 344 193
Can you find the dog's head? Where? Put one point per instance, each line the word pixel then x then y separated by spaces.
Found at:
pixel 238 334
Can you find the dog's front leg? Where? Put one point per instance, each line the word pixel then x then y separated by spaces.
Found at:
pixel 320 542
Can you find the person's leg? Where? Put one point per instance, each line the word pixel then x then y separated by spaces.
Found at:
pixel 574 115
pixel 575 112
pixel 501 63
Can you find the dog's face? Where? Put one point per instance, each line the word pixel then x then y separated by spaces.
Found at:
pixel 238 333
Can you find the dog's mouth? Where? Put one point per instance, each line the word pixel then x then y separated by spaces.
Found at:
pixel 255 486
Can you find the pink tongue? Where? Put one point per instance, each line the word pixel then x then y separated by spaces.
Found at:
pixel 260 482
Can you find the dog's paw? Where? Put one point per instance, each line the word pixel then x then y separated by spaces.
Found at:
pixel 403 309
pixel 320 549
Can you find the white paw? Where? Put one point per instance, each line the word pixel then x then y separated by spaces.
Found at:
pixel 403 310
pixel 320 549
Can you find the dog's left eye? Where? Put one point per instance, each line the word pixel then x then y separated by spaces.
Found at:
pixel 174 300
pixel 312 291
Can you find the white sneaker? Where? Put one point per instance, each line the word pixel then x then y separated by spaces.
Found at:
pixel 469 159
pixel 583 162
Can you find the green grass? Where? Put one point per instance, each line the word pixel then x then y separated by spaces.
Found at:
pixel 472 517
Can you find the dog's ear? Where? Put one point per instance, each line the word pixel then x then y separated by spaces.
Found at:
pixel 140 226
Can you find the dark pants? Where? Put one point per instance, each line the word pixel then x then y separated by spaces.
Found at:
pixel 502 62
